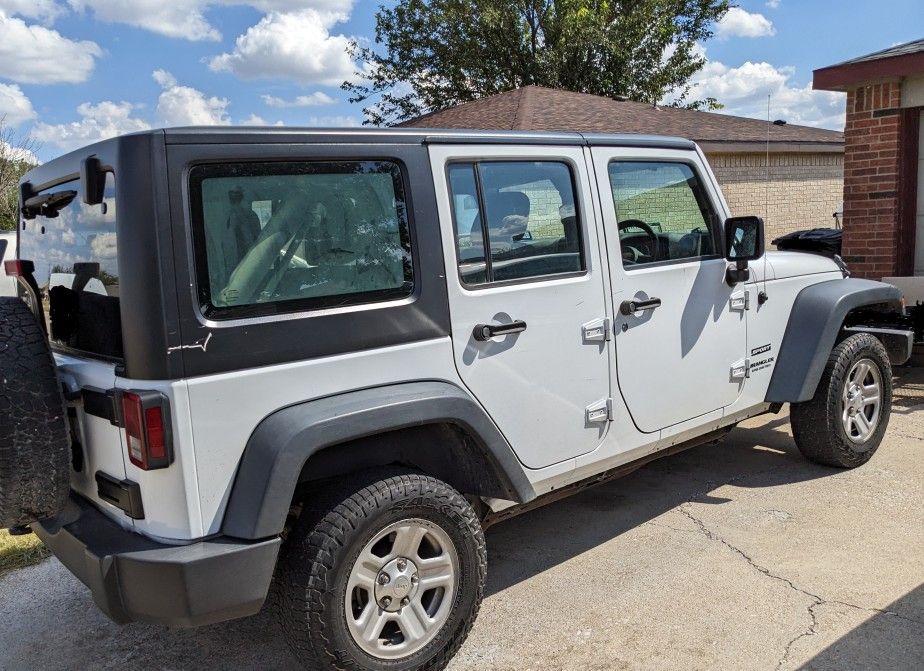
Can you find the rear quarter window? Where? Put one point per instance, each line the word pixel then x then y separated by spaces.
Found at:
pixel 286 237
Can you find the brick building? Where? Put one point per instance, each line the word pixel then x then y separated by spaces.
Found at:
pixel 802 188
pixel 883 159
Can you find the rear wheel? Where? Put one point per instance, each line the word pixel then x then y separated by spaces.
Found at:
pixel 35 447
pixel 845 421
pixel 385 576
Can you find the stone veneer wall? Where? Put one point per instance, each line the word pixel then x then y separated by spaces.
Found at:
pixel 803 190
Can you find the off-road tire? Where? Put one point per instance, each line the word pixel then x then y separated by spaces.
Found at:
pixel 816 424
pixel 35 446
pixel 319 552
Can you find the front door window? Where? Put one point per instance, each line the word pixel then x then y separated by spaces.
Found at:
pixel 662 211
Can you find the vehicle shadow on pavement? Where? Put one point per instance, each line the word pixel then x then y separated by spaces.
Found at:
pixel 541 539
pixel 751 457
pixel 888 640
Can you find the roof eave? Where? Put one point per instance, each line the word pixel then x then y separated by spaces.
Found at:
pixel 848 75
pixel 774 147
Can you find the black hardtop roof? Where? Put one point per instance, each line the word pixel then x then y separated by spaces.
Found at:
pixel 250 134
pixel 69 164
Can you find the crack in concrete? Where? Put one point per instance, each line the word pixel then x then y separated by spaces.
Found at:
pixel 816 600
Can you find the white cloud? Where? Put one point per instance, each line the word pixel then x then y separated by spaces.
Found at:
pixel 10 153
pixel 744 89
pixel 339 8
pixel 186 106
pixel 38 55
pixel 173 18
pixel 773 4
pixel 97 122
pixel 104 246
pixel 310 100
pixel 44 10
pixel 738 22
pixel 15 107
pixel 186 19
pixel 336 121
pixel 296 46
pixel 254 120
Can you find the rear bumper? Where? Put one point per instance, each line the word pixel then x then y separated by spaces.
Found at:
pixel 133 578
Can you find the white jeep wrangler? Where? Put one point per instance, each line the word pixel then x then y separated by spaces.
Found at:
pixel 326 360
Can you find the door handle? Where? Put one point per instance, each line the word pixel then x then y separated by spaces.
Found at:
pixel 483 332
pixel 631 307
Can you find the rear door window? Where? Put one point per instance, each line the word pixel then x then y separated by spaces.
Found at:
pixel 283 237
pixel 515 220
pixel 74 248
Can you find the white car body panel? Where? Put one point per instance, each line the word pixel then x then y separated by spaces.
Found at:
pixel 7 284
pixel 536 384
pixel 672 382
pixel 696 334
pixel 228 407
pixel 103 448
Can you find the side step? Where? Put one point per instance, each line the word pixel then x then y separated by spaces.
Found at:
pixel 594 480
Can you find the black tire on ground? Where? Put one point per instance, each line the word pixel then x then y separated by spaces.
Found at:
pixel 319 554
pixel 818 424
pixel 35 446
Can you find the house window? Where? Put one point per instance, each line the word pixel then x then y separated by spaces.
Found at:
pixel 514 220
pixel 663 212
pixel 283 237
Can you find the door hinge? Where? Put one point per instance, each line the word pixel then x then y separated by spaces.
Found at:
pixel 741 300
pixel 597 330
pixel 601 411
pixel 741 369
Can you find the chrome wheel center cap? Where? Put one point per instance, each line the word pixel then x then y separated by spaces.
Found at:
pixel 397 583
pixel 854 399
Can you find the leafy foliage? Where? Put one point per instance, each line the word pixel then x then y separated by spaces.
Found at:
pixel 439 53
pixel 16 159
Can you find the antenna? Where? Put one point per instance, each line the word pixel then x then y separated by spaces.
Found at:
pixel 763 294
pixel 767 166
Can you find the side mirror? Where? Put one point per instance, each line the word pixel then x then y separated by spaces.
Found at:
pixel 744 241
pixel 3 244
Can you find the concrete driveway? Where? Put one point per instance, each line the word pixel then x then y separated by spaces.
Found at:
pixel 739 555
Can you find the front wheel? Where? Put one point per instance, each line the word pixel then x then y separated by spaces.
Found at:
pixel 389 575
pixel 843 424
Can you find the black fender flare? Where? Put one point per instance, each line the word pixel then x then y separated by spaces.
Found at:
pixel 283 442
pixel 815 321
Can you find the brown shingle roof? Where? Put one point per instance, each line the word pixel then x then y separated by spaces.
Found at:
pixel 539 108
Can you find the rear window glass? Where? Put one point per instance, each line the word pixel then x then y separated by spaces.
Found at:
pixel 283 237
pixel 74 248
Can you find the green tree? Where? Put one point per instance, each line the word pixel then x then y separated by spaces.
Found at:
pixel 16 159
pixel 431 54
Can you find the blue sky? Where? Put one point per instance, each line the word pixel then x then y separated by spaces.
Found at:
pixel 75 71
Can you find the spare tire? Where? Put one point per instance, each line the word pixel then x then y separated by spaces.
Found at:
pixel 35 452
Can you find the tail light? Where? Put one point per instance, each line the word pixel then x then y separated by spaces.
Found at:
pixel 18 268
pixel 146 417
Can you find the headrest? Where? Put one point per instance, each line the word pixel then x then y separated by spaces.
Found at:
pixel 502 204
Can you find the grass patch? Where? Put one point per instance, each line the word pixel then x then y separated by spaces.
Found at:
pixel 20 551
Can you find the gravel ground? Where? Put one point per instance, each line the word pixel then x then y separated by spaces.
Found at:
pixel 738 555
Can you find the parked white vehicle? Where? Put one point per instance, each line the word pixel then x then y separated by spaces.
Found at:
pixel 336 356
pixel 7 251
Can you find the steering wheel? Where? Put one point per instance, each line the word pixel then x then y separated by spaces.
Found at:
pixel 646 229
